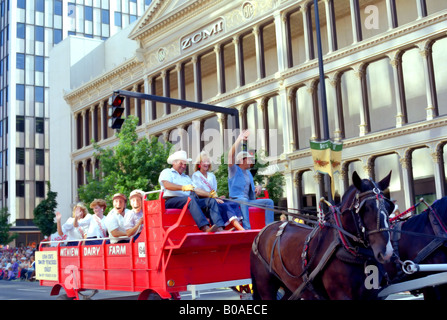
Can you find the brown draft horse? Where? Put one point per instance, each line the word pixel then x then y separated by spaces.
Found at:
pixel 421 239
pixel 326 262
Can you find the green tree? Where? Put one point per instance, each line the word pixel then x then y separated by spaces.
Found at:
pixel 44 213
pixel 132 164
pixel 5 236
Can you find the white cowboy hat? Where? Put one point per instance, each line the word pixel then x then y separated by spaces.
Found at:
pixel 243 154
pixel 179 155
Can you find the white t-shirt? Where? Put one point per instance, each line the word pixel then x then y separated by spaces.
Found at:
pixel 72 232
pixel 96 226
pixel 131 218
pixel 115 221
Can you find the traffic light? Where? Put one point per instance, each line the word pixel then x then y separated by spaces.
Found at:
pixel 116 111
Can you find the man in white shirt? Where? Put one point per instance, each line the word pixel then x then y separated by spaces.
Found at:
pixel 133 220
pixel 177 187
pixel 115 219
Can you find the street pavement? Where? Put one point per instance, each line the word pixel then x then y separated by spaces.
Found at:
pixel 23 290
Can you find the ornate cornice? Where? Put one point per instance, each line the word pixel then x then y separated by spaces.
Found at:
pixel 122 76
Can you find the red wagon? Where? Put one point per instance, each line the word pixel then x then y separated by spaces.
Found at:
pixel 169 255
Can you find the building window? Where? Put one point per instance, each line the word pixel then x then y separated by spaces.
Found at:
pixel 20 156
pixel 39 63
pixel 105 18
pixel 40 5
pixel 40 189
pixel 40 125
pixel 20 92
pixel 39 33
pixel 39 94
pixel 57 36
pixel 21 4
pixel 21 30
pixel 40 157
pixel 20 124
pixel 20 188
pixel 118 19
pixel 58 7
pixel 88 12
pixel 20 64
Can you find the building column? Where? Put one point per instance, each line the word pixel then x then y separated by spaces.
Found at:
pixel 94 127
pixel 263 125
pixel 260 66
pixel 396 63
pixel 197 78
pixel 74 194
pixel 438 170
pixel 281 41
pixel 330 23
pixel 422 8
pixel 291 195
pixel 166 91
pixel 314 134
pixel 426 53
pixel 391 14
pixel 180 81
pixel 356 21
pixel 334 82
pixel 103 115
pixel 85 127
pixel 239 62
pixel 360 73
pixel 308 36
pixel 220 69
pixel 407 177
pixel 222 120
pixel 285 101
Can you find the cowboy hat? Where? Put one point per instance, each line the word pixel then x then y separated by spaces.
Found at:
pixel 179 155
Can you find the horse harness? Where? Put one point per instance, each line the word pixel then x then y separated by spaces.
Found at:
pixel 340 245
pixel 439 239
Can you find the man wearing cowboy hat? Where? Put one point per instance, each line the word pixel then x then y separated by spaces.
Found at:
pixel 177 187
pixel 133 220
pixel 115 219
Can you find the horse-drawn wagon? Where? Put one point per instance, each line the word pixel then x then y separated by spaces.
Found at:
pixel 169 256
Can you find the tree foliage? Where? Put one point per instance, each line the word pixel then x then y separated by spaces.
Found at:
pixel 132 164
pixel 5 236
pixel 44 213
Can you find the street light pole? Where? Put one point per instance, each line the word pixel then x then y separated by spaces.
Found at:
pixel 324 113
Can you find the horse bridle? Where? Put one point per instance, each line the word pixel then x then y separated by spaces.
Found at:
pixel 360 199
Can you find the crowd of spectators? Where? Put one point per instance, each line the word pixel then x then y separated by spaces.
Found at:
pixel 17 263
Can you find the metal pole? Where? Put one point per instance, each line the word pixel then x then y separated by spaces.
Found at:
pixel 324 113
pixel 183 103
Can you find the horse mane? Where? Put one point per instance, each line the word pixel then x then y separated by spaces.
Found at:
pixel 348 197
pixel 440 206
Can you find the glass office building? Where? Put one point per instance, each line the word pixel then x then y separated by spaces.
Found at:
pixel 29 29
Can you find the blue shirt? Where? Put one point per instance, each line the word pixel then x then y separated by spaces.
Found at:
pixel 240 183
pixel 173 176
